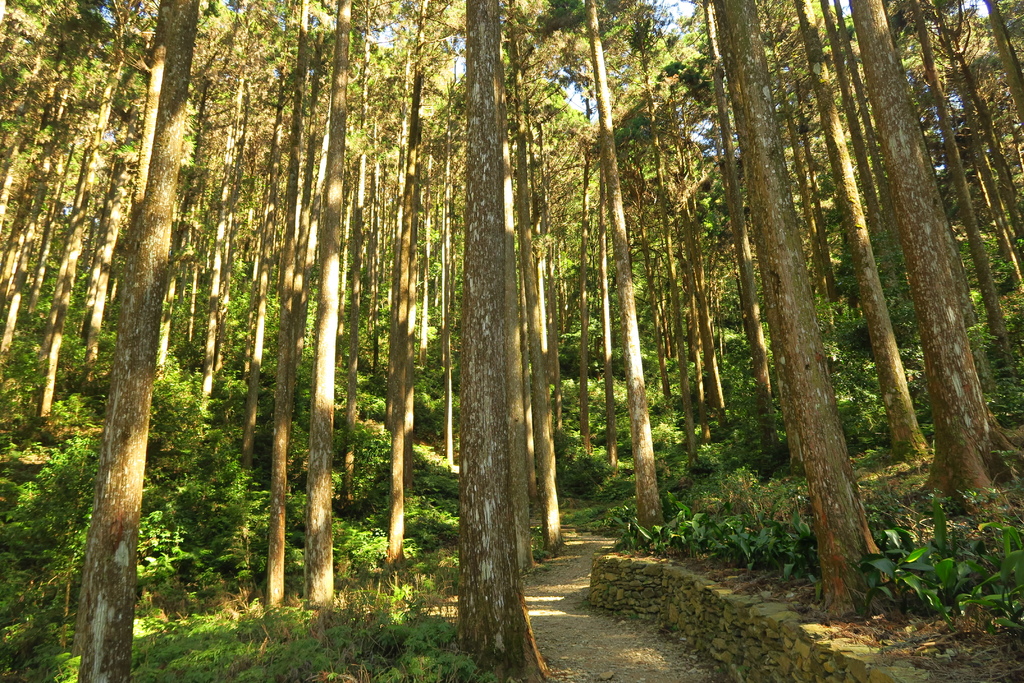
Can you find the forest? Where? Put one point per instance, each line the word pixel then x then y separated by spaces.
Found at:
pixel 326 324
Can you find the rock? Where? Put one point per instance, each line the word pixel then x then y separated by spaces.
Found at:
pixel 606 676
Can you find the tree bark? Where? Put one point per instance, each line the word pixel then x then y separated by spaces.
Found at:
pixel 904 432
pixel 291 281
pixel 745 263
pixel 103 631
pixel 261 289
pixel 611 437
pixel 403 334
pixel 584 306
pixel 319 489
pixel 648 503
pixel 493 622
pixel 839 520
pixel 962 439
pixel 544 448
pixel 965 204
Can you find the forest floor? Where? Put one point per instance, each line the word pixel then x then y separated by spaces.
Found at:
pixel 583 644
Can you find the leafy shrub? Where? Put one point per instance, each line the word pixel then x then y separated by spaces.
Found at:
pixel 945 576
pixel 752 541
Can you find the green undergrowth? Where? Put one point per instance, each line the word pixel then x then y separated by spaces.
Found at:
pixel 960 562
pixel 368 636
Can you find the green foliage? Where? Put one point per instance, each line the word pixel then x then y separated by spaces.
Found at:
pixel 751 541
pixel 948 575
pixel 369 638
pixel 42 541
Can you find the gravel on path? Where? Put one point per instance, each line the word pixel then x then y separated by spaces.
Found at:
pixel 583 644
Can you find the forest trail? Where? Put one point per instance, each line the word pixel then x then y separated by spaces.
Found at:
pixel 582 644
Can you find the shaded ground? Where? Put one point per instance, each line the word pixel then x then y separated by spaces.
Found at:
pixel 582 644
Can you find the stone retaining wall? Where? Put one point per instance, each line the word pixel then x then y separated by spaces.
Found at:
pixel 754 640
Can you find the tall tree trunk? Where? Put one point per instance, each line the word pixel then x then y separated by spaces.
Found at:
pixel 403 334
pixel 106 607
pixel 56 205
pixel 287 360
pixel 220 246
pixel 904 432
pixel 965 205
pixel 446 302
pixel 1008 56
pixel 745 263
pixel 585 306
pixel 100 276
pixel 261 288
pixel 54 335
pixel 540 404
pixel 839 520
pixel 962 439
pixel 319 490
pixel 648 502
pixel 493 621
pixel 611 436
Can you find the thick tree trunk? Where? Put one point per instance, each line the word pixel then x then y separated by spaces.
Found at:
pixel 745 263
pixel 962 439
pixel 904 432
pixel 493 621
pixel 103 631
pixel 648 502
pixel 839 520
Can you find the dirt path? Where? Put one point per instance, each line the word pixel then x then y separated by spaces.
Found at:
pixel 582 644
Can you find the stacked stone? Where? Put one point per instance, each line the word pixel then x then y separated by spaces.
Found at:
pixel 755 640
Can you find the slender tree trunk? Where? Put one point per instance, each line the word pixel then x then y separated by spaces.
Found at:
pixel 403 333
pixel 446 301
pixel 965 205
pixel 540 403
pixel 106 607
pixel 962 439
pixel 648 503
pixel 220 246
pixel 54 335
pixel 839 520
pixel 611 437
pixel 100 276
pixel 261 288
pixel 319 490
pixel 585 306
pixel 1008 56
pixel 56 205
pixel 287 360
